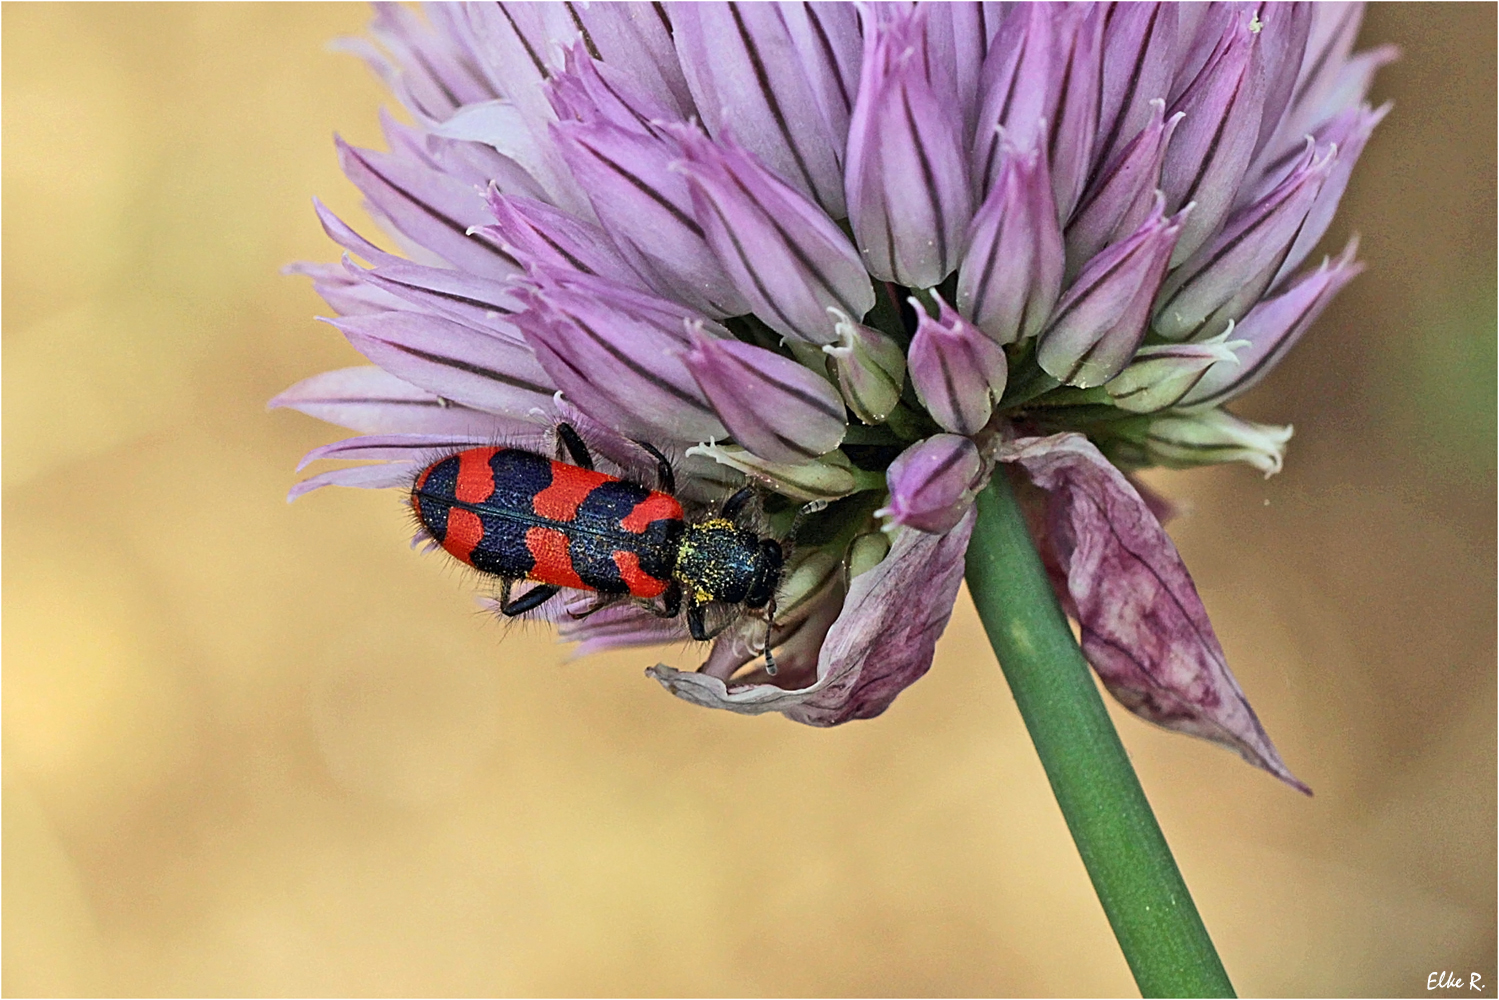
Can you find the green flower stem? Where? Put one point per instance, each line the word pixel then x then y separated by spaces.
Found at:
pixel 1132 869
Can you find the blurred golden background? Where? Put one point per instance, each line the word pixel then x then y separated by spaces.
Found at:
pixel 253 748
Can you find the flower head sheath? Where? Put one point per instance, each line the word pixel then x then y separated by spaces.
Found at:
pixel 865 256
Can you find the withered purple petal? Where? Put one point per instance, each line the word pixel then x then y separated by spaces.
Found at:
pixel 1144 628
pixel 880 645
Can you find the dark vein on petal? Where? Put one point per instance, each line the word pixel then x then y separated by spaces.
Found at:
pixel 436 293
pixel 1208 154
pixel 640 185
pixel 1233 244
pixel 633 364
pixel 472 369
pixel 826 44
pixel 762 78
pixel 811 400
pixel 795 249
pixel 436 216
pixel 593 50
pixel 929 177
pixel 952 388
pixel 1135 72
pixel 525 44
pixel 766 295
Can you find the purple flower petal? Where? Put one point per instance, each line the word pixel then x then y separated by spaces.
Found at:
pixel 614 627
pixel 635 38
pixel 1100 321
pixel 621 366
pixel 785 255
pixel 1284 31
pixel 771 405
pixel 1272 328
pixel 1349 131
pixel 589 91
pixel 958 37
pixel 1224 279
pixel 1072 125
pixel 881 643
pixel 746 72
pixel 475 302
pixel 933 483
pixel 1016 89
pixel 956 369
pixel 829 46
pixel 647 208
pixel 426 448
pixel 1144 628
pixel 373 401
pixel 380 476
pixel 909 200
pixel 432 209
pixel 536 233
pixel 1012 270
pixel 435 77
pixel 1139 57
pixel 1211 149
pixel 346 294
pixel 455 362
pixel 1121 197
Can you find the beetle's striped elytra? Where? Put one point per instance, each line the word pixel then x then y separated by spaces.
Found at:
pixel 517 515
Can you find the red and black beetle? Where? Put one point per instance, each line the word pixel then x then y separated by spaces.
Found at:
pixel 517 515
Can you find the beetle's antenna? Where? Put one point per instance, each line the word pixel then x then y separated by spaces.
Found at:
pixel 806 511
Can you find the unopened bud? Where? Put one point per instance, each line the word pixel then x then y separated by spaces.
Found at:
pixel 870 367
pixel 820 480
pixel 1160 375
